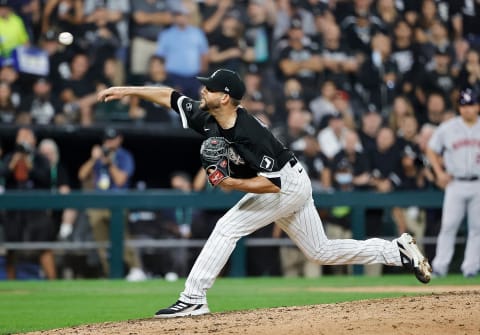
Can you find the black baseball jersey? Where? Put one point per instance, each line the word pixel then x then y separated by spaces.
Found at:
pixel 253 149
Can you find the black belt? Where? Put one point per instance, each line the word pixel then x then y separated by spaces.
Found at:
pixel 473 178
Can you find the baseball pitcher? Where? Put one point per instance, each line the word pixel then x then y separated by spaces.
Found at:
pixel 239 153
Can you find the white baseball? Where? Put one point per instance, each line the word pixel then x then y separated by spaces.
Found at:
pixel 65 38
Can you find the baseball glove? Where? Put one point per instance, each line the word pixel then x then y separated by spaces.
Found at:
pixel 214 157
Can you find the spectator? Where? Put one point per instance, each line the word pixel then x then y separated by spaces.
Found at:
pixel 300 60
pixel 10 75
pixel 26 169
pixel 465 21
pixel 360 28
pixel 426 19
pixel 388 14
pixel 379 75
pixel 470 73
pixel 226 46
pixel 292 96
pixel 31 13
pixel 322 107
pixel 439 78
pixel 343 103
pixel 349 170
pixel 370 124
pixel 339 62
pixel 107 12
pixel 8 111
pixel 78 92
pixel 406 55
pixel 436 109
pixel 386 171
pixel 183 64
pixel 289 11
pixel 58 59
pixel 13 32
pixel 101 38
pixel 213 12
pixel 385 162
pixel 258 98
pixel 182 219
pixel 62 15
pixel 42 107
pixel 401 108
pixel 111 167
pixel 332 137
pixel 149 19
pixel 60 182
pixel 261 18
pixel 143 111
pixel 298 125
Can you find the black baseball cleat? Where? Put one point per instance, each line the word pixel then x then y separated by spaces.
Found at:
pixel 413 259
pixel 181 308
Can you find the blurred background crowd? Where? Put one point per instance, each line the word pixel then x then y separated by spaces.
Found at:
pixel 354 87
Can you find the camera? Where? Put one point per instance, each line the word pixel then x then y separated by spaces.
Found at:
pixel 24 148
pixel 106 151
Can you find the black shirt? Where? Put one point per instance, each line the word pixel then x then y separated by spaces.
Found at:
pixel 253 149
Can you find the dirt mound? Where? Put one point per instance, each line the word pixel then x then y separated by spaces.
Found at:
pixel 456 312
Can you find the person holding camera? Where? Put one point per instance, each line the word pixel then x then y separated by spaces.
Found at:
pixel 110 167
pixel 25 169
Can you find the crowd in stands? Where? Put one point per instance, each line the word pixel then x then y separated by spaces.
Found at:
pixel 354 87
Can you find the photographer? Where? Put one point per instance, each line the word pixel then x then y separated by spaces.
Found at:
pixel 110 167
pixel 25 169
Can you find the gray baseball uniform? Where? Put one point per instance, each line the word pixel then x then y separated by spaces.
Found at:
pixel 460 146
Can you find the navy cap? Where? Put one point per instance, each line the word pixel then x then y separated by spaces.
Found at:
pixel 467 97
pixel 226 81
pixel 110 133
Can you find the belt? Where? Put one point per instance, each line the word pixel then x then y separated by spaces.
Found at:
pixel 293 161
pixel 472 178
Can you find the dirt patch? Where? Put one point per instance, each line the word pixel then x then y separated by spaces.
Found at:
pixel 455 312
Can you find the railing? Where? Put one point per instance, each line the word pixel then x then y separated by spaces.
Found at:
pixel 153 199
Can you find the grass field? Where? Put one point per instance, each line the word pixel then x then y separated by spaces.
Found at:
pixel 39 305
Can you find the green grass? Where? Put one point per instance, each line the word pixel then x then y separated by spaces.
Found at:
pixel 39 305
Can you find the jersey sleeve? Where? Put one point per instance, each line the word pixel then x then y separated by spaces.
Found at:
pixel 436 142
pixel 190 113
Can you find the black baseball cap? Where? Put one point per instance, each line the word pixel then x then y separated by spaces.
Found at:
pixel 226 81
pixel 110 133
pixel 467 97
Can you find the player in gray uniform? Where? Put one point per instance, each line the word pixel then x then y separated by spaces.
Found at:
pixel 458 142
pixel 277 186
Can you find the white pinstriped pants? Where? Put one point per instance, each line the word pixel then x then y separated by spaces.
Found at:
pixel 293 209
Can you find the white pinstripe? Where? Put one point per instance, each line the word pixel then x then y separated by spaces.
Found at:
pixel 294 210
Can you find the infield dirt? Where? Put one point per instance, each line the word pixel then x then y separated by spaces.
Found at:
pixel 439 310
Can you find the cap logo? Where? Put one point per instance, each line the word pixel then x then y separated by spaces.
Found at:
pixel 226 89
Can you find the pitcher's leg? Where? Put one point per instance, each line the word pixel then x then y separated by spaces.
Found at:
pixel 452 216
pixel 252 212
pixel 306 230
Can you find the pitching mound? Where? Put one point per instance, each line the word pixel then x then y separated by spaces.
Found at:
pixel 454 312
